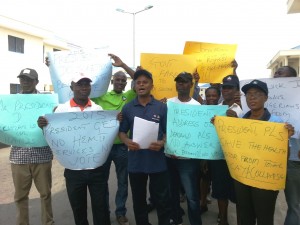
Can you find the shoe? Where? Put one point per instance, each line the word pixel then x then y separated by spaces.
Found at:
pixel 122 220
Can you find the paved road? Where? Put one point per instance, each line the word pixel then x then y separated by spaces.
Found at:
pixel 62 210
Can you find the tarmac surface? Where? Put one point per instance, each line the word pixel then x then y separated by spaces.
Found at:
pixel 62 210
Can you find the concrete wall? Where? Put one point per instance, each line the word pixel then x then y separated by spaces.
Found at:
pixel 12 63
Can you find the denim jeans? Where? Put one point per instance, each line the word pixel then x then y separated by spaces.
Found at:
pixel 187 170
pixel 160 193
pixel 119 155
pixel 292 193
pixel 77 182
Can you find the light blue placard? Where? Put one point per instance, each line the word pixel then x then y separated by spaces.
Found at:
pixel 81 140
pixel 19 114
pixel 94 63
pixel 190 133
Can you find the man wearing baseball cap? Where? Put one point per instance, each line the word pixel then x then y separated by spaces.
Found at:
pixel 28 81
pixel 222 182
pixel 32 163
pixel 78 181
pixel 184 171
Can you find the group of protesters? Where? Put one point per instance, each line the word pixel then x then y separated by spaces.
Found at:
pixel 151 168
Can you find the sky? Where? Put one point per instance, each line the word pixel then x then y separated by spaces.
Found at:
pixel 260 28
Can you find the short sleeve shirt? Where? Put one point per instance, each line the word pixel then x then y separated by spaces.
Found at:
pixel 114 101
pixel 145 160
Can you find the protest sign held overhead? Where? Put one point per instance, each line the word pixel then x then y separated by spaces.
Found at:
pixel 94 63
pixel 213 60
pixel 164 69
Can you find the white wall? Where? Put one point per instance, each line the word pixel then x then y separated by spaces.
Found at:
pixel 12 63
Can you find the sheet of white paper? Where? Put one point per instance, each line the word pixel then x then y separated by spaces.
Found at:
pixel 144 132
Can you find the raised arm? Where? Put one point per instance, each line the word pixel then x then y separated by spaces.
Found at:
pixel 119 63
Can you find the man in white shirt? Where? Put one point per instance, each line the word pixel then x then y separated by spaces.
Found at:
pixel 78 181
pixel 184 170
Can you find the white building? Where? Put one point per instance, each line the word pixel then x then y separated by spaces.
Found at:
pixel 289 57
pixel 293 6
pixel 24 45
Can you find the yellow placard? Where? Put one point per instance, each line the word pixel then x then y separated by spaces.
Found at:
pixel 214 60
pixel 255 151
pixel 164 68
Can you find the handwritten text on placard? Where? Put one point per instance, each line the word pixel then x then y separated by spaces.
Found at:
pixel 283 100
pixel 81 140
pixel 255 151
pixel 164 68
pixel 19 114
pixel 214 60
pixel 190 133
pixel 64 65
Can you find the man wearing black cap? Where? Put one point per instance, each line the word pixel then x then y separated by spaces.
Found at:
pixel 150 162
pixel 184 169
pixel 222 182
pixel 93 179
pixel 29 164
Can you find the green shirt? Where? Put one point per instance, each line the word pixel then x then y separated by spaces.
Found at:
pixel 114 101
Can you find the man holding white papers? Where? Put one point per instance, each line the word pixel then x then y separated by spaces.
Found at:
pixel 184 169
pixel 149 162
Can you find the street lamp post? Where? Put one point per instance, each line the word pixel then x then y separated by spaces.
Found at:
pixel 133 27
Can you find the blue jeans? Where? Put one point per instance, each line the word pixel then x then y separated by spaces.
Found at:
pixel 77 183
pixel 187 170
pixel 119 155
pixel 292 193
pixel 160 193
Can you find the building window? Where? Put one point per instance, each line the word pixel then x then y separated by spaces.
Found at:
pixel 15 88
pixel 15 44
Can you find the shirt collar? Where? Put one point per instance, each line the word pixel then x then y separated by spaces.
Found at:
pixel 74 104
pixel 136 101
pixel 115 93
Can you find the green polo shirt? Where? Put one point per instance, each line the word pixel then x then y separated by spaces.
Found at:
pixel 114 101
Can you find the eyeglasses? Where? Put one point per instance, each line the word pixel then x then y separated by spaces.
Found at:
pixel 254 95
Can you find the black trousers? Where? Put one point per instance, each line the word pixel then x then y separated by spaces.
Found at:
pixel 160 193
pixel 255 205
pixel 77 183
